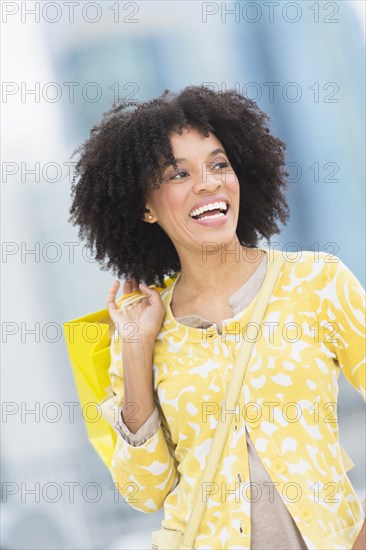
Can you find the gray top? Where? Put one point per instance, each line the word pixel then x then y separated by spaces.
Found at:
pixel 272 526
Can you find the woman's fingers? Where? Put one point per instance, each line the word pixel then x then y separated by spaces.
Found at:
pixel 148 316
pixel 130 285
pixel 134 285
pixel 126 286
pixel 111 296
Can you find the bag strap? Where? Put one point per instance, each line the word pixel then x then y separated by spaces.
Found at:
pixel 232 395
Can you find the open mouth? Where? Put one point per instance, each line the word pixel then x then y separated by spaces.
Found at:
pixel 210 213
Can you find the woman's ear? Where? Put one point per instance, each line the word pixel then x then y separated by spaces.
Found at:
pixel 148 216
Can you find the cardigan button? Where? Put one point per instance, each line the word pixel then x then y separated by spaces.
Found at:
pixel 254 424
pixel 306 513
pixel 243 527
pixel 278 465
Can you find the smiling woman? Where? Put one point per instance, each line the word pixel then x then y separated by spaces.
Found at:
pixel 184 186
pixel 129 155
pixel 176 204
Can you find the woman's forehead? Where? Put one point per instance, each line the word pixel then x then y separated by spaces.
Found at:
pixel 192 139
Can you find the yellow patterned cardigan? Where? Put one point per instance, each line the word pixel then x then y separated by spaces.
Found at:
pixel 313 327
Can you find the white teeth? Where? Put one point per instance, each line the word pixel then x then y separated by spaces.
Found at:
pixel 214 205
pixel 212 217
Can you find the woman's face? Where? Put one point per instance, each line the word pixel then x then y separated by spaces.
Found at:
pixel 203 173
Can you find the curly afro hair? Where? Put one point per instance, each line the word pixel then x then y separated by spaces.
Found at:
pixel 126 154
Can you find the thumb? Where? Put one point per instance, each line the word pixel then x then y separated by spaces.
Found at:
pixel 151 293
pixel 146 290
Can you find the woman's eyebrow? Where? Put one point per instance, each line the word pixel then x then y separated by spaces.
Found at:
pixel 212 154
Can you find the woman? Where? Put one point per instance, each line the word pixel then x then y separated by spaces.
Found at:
pixel 183 186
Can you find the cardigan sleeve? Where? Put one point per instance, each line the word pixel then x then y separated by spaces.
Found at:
pixel 345 299
pixel 148 428
pixel 147 473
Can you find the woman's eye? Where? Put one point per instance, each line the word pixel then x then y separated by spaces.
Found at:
pixel 174 176
pixel 222 164
pixel 183 173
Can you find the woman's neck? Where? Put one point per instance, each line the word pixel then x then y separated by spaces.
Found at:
pixel 204 281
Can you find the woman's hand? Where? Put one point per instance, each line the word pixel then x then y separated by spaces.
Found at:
pixel 360 542
pixel 137 358
pixel 147 313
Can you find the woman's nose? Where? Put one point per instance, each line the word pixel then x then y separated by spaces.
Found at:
pixel 208 181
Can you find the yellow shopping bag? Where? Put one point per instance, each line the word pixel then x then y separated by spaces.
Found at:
pixel 88 340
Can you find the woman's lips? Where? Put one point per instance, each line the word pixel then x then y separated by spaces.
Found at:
pixel 214 221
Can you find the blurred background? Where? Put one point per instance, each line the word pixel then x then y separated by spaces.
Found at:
pixel 63 64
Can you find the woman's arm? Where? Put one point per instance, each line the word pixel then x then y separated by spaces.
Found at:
pixel 147 473
pixel 360 542
pixel 138 392
pixel 345 322
pixel 148 429
pixel 346 310
pixel 143 474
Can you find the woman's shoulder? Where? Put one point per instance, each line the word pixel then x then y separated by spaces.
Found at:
pixel 169 281
pixel 321 272
pixel 308 261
